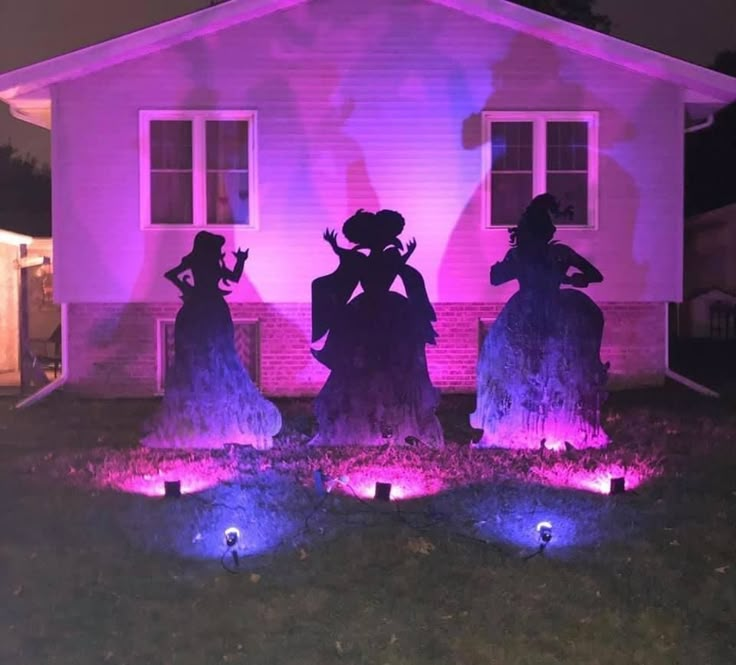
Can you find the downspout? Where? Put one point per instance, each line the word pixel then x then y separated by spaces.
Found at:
pixel 59 381
pixel 670 373
pixel 675 376
pixel 701 125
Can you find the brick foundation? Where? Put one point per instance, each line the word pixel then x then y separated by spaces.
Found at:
pixel 114 348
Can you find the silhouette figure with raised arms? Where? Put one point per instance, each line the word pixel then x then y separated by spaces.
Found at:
pixel 540 376
pixel 209 398
pixel 379 390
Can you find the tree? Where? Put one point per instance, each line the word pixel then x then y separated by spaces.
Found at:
pixel 25 193
pixel 710 154
pixel 575 11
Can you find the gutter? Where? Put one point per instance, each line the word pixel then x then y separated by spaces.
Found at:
pixel 59 381
pixel 689 383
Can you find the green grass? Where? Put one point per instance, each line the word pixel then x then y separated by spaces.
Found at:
pixel 77 586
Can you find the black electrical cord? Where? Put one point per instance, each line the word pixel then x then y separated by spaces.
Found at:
pixel 537 552
pixel 235 570
pixel 432 519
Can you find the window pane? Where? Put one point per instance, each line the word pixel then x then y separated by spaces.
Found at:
pixel 570 188
pixel 510 195
pixel 227 197
pixel 567 146
pixel 511 146
pixel 171 171
pixel 171 144
pixel 227 145
pixel 171 197
pixel 227 172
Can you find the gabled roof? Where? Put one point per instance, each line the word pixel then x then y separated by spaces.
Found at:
pixel 717 217
pixel 27 90
pixel 12 238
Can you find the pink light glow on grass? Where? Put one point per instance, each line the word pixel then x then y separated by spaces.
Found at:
pixel 515 432
pixel 406 483
pixel 194 476
pixel 597 480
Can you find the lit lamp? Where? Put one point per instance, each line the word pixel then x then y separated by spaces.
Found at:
pixel 232 535
pixel 544 529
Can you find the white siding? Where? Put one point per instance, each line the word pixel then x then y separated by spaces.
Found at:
pixel 363 105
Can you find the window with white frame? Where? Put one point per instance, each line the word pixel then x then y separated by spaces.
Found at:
pixel 247 339
pixel 197 168
pixel 527 154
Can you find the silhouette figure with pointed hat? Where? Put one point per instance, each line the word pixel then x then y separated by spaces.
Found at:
pixel 379 390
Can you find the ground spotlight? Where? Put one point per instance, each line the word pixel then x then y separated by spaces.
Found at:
pixel 544 529
pixel 232 536
pixel 618 485
pixel 324 485
pixel 319 482
pixel 172 488
pixel 383 492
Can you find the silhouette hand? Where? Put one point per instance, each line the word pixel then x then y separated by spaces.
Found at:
pixel 578 280
pixel 331 237
pixel 241 255
pixel 410 247
pixel 186 287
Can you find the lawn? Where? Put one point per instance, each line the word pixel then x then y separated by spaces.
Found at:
pixel 97 569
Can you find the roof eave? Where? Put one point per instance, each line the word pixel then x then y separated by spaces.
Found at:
pixel 151 39
pixel 13 238
pixel 700 83
pixel 27 90
pixel 35 111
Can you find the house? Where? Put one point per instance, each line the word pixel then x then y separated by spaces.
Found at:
pixel 26 306
pixel 709 303
pixel 270 120
pixel 710 163
pixel 710 251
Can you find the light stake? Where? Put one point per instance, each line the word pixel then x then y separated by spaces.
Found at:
pixel 172 489
pixel 618 485
pixel 383 492
pixel 319 482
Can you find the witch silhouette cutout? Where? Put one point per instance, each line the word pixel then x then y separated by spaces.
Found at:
pixel 540 378
pixel 209 398
pixel 379 390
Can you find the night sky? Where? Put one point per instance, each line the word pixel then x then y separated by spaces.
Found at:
pixel 33 30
